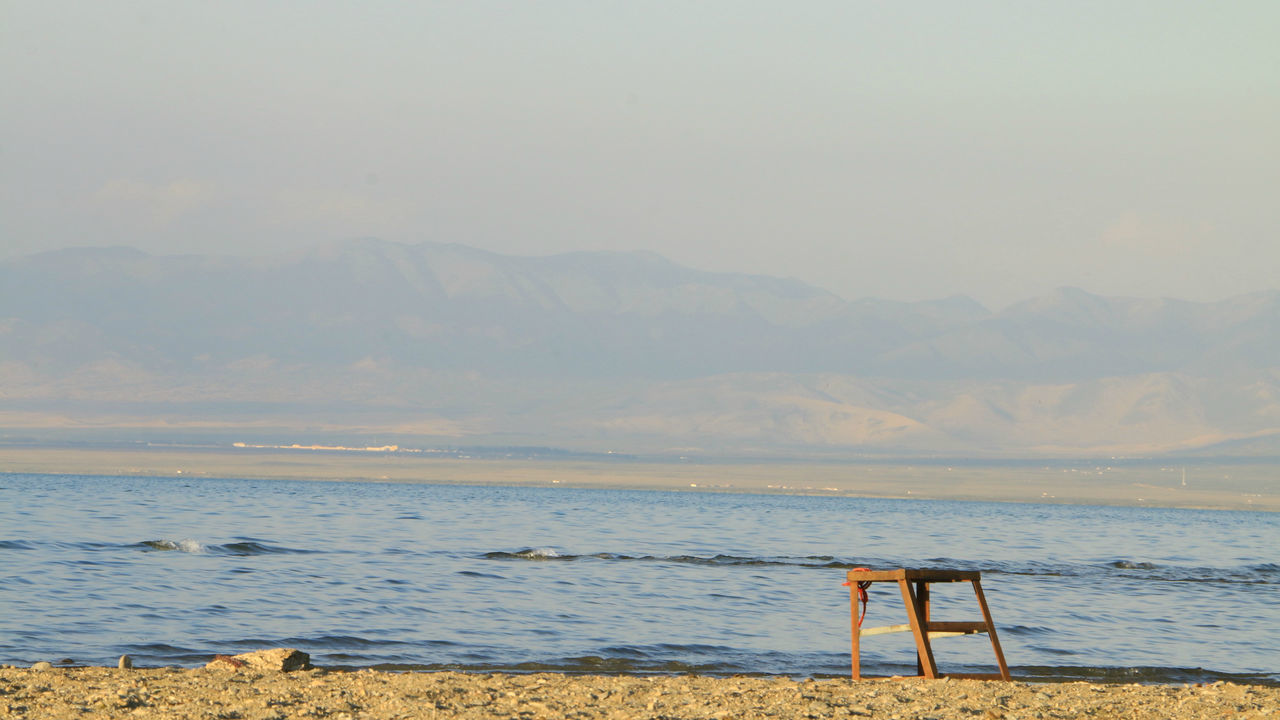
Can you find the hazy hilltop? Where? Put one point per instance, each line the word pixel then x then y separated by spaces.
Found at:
pixel 435 343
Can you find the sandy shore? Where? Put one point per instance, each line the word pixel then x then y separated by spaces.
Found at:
pixel 1234 487
pixel 370 695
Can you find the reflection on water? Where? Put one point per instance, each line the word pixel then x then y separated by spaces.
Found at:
pixel 433 576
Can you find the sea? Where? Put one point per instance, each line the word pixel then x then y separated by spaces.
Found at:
pixel 402 576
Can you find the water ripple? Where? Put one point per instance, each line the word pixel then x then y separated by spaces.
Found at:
pixel 1262 573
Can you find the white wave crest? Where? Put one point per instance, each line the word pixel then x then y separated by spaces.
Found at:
pixel 539 553
pixel 186 545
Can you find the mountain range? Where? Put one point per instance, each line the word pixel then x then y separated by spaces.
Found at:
pixel 432 343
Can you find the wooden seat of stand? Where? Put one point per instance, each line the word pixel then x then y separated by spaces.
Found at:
pixel 914 584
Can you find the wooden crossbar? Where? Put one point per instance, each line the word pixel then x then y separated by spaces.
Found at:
pixel 914 585
pixel 944 629
pixel 885 630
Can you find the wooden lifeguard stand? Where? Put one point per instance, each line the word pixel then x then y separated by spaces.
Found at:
pixel 914 584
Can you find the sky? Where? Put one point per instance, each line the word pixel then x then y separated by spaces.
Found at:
pixel 906 151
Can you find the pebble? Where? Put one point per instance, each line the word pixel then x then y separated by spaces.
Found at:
pixel 42 665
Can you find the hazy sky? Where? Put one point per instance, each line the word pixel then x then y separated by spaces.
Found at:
pixel 901 150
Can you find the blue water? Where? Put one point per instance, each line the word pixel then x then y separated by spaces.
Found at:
pixel 419 576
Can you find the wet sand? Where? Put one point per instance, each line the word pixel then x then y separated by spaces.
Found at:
pixel 370 695
pixel 1231 487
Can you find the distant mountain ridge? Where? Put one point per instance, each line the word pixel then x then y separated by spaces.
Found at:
pixel 449 306
pixel 595 349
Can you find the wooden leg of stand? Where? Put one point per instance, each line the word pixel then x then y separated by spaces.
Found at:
pixel 991 629
pixel 922 601
pixel 856 654
pixel 919 628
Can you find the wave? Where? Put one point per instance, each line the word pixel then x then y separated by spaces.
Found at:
pixel 779 664
pixel 195 547
pixel 1106 569
pixel 1139 675
pixel 355 642
pixel 164 654
pixel 345 652
pixel 187 545
pixel 1125 568
pixel 661 659
pixel 1131 565
pixel 353 652
pixel 258 548
pixel 240 547
pixel 1263 573
pixel 714 560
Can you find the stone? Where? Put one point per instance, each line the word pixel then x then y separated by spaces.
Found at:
pixel 273 660
pixel 42 665
pixel 125 663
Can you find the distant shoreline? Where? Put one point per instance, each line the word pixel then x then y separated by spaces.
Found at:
pixel 1235 486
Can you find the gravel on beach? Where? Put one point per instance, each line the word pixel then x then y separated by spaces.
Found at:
pixel 93 692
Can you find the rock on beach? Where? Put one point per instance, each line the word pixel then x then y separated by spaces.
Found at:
pixel 273 660
pixel 253 694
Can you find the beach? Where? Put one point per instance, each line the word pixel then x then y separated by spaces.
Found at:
pixel 1237 486
pixel 59 693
